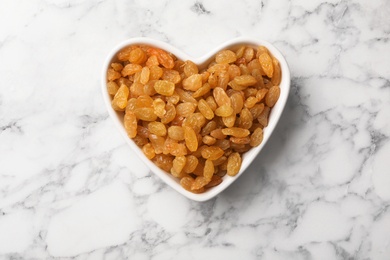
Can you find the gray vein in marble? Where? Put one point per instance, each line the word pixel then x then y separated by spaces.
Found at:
pixel 199 9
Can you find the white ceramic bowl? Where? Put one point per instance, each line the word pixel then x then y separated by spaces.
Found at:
pixel 249 156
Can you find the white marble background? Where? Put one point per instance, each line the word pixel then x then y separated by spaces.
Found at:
pixel 70 188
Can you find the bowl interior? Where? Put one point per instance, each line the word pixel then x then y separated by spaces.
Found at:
pixel 202 62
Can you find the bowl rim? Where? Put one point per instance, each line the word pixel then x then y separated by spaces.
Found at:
pixel 249 156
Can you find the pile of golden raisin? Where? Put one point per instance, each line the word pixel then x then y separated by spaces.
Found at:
pixel 195 123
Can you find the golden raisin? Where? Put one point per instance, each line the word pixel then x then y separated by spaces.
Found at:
pixel 185 109
pixel 221 98
pixel 205 109
pixel 191 164
pixel 148 151
pixel 172 76
pixel 212 153
pixel 164 87
pixel 165 162
pixel 190 138
pixel 112 88
pixel 137 56
pixel 202 91
pixel 190 68
pixel 176 133
pixel 112 74
pixel 157 128
pixel 256 137
pixel 208 170
pixel 236 131
pixel 225 56
pixel 272 96
pixel 178 164
pixel 224 110
pixel 121 96
pixel 130 123
pixel 145 113
pixel 159 107
pixel 233 164
pixel 193 82
pixel 266 64
pixel 277 73
pixel 131 69
pixel 263 117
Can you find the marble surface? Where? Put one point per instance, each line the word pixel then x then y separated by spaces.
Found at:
pixel 70 188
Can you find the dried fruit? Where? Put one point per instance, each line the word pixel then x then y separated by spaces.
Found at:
pixel 172 76
pixel 162 56
pixel 199 183
pixel 209 140
pixel 246 119
pixel 250 102
pixel 202 91
pixel 249 53
pixel 124 54
pixel 277 73
pixel 155 72
pixel 205 109
pixel 211 102
pixel 112 75
pixel 237 102
pixel 112 88
pixel 244 81
pixel 130 123
pixel 212 153
pixel 236 131
pixel 185 109
pixel 215 181
pixel 256 137
pixel 120 98
pixel 190 68
pixel 225 56
pixel 157 128
pixel 191 164
pixel 210 126
pixel 165 162
pixel 193 82
pixel 224 110
pixel 218 134
pixel 220 96
pixel 164 87
pixel 190 138
pixel 170 113
pixel 272 96
pixel 152 61
pixel 266 64
pixel 233 164
pixel 195 123
pixel 176 133
pixel 208 170
pixel 157 142
pixel 241 140
pixel 148 151
pixel 186 182
pixel 229 120
pixel 159 107
pixel 178 165
pixel 145 113
pixel 261 94
pixel 137 56
pixel 263 117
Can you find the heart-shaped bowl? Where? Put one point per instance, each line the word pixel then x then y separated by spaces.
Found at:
pixel 202 62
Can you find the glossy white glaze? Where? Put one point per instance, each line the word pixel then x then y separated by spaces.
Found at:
pixel 248 157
